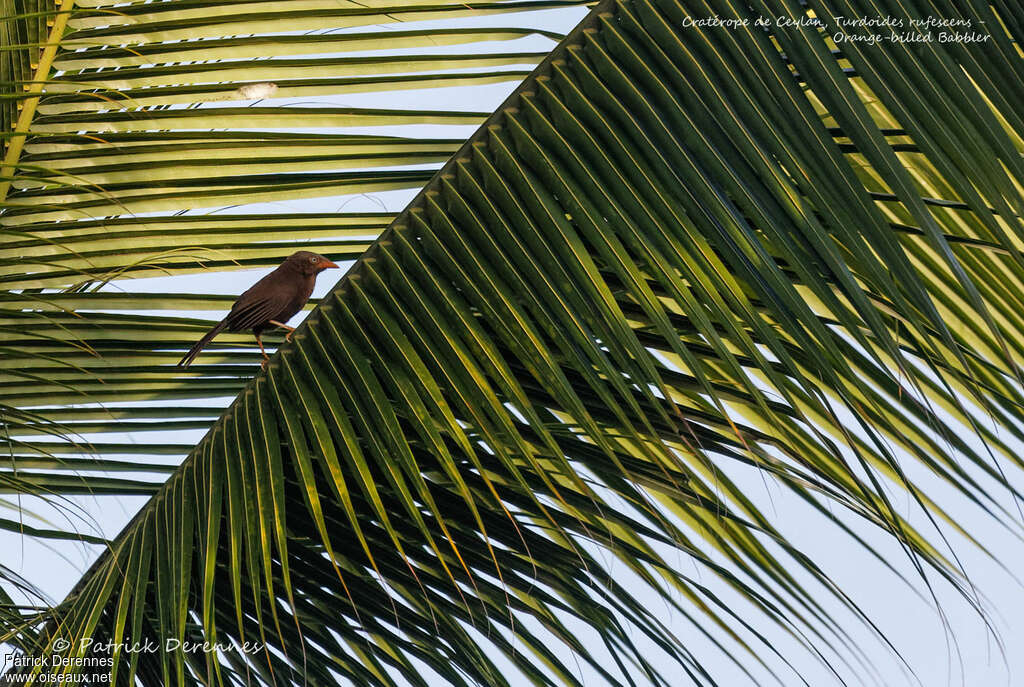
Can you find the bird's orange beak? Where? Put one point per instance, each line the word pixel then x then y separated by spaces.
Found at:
pixel 327 264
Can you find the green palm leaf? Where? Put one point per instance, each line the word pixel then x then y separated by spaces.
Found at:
pixel 120 117
pixel 670 251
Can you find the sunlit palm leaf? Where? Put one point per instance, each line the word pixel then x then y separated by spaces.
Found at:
pixel 151 110
pixel 655 261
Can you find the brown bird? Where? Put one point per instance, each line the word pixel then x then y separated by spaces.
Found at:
pixel 270 302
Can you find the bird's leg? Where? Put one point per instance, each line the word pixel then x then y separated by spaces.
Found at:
pixel 266 358
pixel 288 336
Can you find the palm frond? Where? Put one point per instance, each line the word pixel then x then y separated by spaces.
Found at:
pixel 672 251
pixel 154 117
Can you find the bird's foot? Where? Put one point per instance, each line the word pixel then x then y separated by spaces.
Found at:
pixel 282 325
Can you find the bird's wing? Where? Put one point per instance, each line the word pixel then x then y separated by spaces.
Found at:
pixel 258 311
pixel 261 303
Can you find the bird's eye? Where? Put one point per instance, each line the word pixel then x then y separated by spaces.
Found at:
pixel 314 259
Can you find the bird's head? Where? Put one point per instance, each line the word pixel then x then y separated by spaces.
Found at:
pixel 309 263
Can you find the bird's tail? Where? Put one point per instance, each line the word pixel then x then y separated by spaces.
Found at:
pixel 201 344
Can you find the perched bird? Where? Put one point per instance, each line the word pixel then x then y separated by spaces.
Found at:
pixel 270 302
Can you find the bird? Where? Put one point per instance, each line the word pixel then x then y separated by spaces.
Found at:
pixel 270 302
